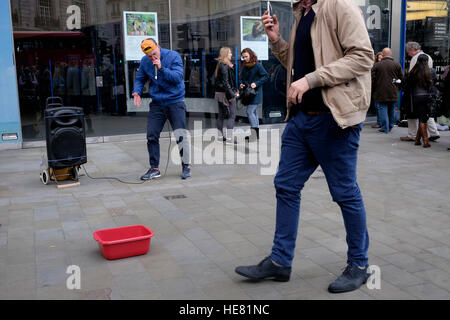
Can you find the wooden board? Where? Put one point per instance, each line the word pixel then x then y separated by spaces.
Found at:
pixel 66 185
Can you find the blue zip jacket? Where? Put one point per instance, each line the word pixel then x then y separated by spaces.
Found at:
pixel 259 76
pixel 169 87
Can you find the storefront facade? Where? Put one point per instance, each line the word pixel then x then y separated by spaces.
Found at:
pixel 82 51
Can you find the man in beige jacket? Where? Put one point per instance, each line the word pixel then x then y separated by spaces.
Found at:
pixel 329 58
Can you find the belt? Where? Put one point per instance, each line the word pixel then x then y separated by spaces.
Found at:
pixel 317 113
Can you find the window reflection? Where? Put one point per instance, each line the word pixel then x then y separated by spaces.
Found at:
pixel 427 22
pixel 76 51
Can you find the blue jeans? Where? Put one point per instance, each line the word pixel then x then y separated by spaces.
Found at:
pixel 252 113
pixel 386 115
pixel 309 141
pixel 157 116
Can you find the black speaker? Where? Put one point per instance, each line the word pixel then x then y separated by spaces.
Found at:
pixel 65 136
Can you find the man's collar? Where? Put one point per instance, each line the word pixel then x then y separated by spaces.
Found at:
pixel 390 58
pixel 298 9
pixel 418 52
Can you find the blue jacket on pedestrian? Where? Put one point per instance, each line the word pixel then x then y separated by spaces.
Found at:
pixel 255 74
pixel 168 88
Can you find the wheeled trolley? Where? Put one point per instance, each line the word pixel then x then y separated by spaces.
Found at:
pixel 66 142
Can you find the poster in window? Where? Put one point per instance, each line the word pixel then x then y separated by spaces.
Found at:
pixel 254 37
pixel 137 27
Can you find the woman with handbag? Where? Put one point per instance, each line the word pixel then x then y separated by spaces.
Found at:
pixel 253 76
pixel 418 91
pixel 225 93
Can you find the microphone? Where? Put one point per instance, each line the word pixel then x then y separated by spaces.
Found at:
pixel 156 72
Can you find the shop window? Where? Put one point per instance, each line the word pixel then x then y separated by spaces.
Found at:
pixel 427 22
pixel 117 30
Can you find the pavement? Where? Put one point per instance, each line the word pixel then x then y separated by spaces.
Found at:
pixel 224 216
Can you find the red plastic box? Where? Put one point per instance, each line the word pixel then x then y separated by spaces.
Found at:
pixel 123 242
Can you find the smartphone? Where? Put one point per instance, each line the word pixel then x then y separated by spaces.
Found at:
pixel 269 11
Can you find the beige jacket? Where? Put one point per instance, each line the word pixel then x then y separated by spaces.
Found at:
pixel 343 55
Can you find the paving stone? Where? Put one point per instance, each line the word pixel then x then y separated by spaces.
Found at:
pixel 334 244
pixel 203 273
pixel 387 291
pixel 3 238
pixel 56 292
pixel 125 266
pixel 399 277
pixel 20 255
pixel 242 249
pixel 321 255
pixel 306 268
pixel 443 252
pixel 51 273
pixel 428 291
pixel 46 213
pixel 436 276
pixel 49 234
pixel 97 294
pixel 20 272
pixel 179 288
pixel 19 290
pixel 47 224
pixel 407 262
pixel 162 268
pixel 224 290
pixel 197 234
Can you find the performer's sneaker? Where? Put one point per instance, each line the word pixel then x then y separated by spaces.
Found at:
pixel 186 171
pixel 266 269
pixel 151 174
pixel 351 279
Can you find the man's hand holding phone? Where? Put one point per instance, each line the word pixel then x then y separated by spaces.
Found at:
pixel 271 26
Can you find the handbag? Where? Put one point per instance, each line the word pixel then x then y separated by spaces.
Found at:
pixel 434 102
pixel 247 95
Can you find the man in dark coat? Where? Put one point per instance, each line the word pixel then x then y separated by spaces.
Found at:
pixel 385 76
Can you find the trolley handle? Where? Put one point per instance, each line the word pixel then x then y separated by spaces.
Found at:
pixel 53 101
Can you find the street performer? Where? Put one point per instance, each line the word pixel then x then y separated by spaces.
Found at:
pixel 164 69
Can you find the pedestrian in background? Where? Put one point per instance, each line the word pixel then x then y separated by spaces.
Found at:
pixel 385 75
pixel 378 57
pixel 417 86
pixel 225 93
pixel 377 125
pixel 254 75
pixel 414 50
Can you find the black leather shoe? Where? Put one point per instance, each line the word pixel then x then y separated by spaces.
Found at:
pixel 266 269
pixel 434 138
pixel 351 279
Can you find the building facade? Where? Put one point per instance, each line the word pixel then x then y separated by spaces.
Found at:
pixel 78 50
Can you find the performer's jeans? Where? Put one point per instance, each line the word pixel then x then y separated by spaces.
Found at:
pixel 309 141
pixel 157 116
